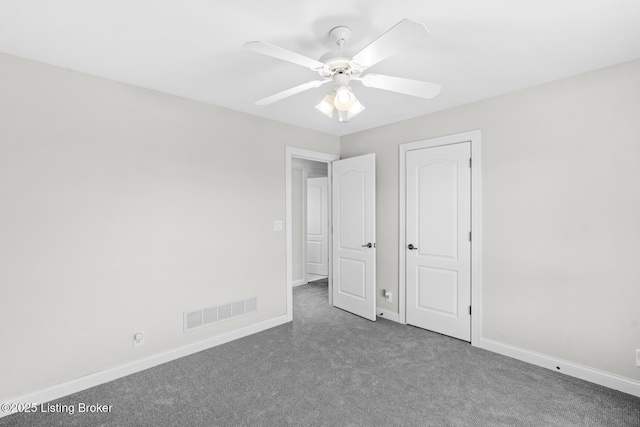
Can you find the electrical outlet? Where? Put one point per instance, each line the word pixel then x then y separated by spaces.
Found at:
pixel 138 339
pixel 387 295
pixel 638 357
pixel 277 225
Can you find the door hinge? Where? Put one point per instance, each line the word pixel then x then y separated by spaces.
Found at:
pixel 469 162
pixel 469 236
pixel 469 310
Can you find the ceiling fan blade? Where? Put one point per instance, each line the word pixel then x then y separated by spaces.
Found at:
pixel 284 54
pixel 398 84
pixel 289 92
pixel 400 36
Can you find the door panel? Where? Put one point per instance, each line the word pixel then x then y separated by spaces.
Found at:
pixel 352 206
pixel 438 290
pixel 437 210
pixel 317 227
pixel 352 278
pixel 353 201
pixel 438 269
pixel 314 255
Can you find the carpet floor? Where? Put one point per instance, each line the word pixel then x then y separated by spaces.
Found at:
pixel 331 368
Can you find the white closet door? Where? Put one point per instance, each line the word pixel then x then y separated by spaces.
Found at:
pixel 438 253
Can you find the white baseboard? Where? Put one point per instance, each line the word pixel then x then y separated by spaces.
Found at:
pixel 101 377
pixel 299 282
pixel 386 314
pixel 596 376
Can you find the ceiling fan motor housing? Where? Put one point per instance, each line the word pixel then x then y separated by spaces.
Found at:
pixel 335 62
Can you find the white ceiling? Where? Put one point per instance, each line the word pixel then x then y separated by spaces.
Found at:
pixel 194 48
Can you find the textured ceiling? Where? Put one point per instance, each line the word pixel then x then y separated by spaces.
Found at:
pixel 194 48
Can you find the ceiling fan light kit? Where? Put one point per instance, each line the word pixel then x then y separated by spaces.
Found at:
pixel 341 68
pixel 342 99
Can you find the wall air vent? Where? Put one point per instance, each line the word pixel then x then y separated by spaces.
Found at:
pixel 196 319
pixel 209 315
pixel 251 305
pixel 193 319
pixel 237 308
pixel 224 311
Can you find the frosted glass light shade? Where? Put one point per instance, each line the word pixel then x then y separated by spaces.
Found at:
pixel 326 106
pixel 355 109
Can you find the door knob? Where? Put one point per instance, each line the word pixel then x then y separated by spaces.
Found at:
pixel 411 247
pixel 368 245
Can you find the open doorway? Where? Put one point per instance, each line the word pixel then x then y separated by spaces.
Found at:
pixel 351 245
pixel 310 221
pixel 305 253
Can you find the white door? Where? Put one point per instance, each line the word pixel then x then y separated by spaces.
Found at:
pixel 354 235
pixel 438 252
pixel 317 227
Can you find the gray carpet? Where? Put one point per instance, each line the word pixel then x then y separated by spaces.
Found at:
pixel 331 368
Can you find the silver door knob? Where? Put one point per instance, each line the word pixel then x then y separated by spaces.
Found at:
pixel 368 245
pixel 411 247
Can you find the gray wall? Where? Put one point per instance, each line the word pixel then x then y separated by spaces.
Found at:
pixel 121 208
pixel 561 213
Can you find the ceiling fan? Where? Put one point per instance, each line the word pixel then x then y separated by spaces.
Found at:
pixel 341 68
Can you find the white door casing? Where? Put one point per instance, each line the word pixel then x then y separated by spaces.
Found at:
pixel 354 252
pixel 292 153
pixel 438 225
pixel 317 227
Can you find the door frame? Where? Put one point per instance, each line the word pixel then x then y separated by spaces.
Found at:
pixel 290 153
pixel 474 138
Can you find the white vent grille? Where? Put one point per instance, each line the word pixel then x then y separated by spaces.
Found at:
pixel 195 319
pixel 237 308
pixel 224 311
pixel 209 315
pixel 251 305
